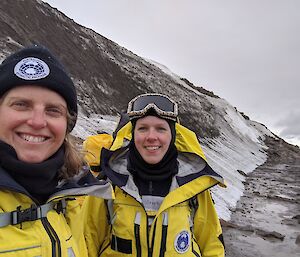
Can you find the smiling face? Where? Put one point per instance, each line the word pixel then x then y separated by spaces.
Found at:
pixel 152 137
pixel 33 121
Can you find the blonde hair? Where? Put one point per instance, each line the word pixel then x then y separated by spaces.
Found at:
pixel 74 159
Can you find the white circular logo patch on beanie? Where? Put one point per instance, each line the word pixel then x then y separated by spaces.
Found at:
pixel 31 68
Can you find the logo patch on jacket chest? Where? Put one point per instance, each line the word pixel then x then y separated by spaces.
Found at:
pixel 182 241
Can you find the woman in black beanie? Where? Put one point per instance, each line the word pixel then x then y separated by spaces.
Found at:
pixel 161 179
pixel 41 172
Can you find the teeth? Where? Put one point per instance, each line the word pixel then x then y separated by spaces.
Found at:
pixel 152 147
pixel 33 139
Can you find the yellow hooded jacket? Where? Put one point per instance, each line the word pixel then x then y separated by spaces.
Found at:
pixel 177 229
pixel 58 232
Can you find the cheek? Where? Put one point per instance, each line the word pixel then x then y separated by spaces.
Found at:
pixel 59 129
pixel 137 140
pixel 167 140
pixel 8 121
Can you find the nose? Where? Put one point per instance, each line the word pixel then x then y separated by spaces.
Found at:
pixel 37 119
pixel 152 135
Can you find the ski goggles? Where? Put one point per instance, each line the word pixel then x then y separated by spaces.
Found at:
pixel 161 104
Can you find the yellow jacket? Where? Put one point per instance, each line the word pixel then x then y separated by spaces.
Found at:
pixel 179 228
pixel 58 229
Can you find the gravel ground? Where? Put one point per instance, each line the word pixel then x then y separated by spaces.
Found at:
pixel 266 221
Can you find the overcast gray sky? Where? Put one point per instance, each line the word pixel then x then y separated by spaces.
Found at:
pixel 246 51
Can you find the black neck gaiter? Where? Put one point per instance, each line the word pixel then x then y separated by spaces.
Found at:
pixel 39 179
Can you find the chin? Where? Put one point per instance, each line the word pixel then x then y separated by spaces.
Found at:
pixel 32 159
pixel 153 162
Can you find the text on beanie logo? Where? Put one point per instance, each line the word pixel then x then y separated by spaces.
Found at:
pixel 31 68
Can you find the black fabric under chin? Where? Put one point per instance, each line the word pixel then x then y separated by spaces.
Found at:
pixel 152 177
pixel 39 179
pixel 165 168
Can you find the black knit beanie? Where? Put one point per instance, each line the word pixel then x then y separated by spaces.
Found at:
pixel 36 65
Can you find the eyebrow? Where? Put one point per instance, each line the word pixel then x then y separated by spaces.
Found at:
pixel 18 98
pixel 55 105
pixel 51 104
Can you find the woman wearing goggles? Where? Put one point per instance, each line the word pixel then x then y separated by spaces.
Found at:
pixel 161 180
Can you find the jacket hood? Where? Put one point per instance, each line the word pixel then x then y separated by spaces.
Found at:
pixel 185 141
pixel 189 150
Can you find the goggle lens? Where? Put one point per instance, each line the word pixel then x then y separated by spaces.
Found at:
pixel 161 102
pixel 163 105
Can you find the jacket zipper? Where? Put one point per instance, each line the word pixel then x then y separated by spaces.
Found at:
pixel 57 239
pixel 152 242
pixel 55 242
pixel 164 235
pixel 137 223
pixel 147 234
